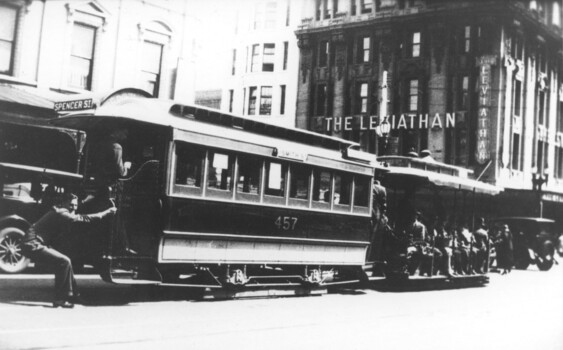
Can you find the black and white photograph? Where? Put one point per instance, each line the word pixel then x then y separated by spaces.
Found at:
pixel 281 174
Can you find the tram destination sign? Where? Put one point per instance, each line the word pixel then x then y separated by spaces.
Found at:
pixel 74 105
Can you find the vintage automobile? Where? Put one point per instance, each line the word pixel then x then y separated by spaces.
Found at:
pixel 534 241
pixel 28 192
pixel 37 163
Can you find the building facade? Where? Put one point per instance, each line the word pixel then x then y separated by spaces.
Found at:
pixel 479 84
pixel 262 80
pixel 80 46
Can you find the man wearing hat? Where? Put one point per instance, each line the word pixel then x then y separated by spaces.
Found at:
pixel 426 155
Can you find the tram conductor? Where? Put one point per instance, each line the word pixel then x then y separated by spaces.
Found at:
pixel 378 218
pixel 38 238
pixel 108 161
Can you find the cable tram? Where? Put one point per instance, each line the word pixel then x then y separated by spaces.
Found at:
pixel 219 201
pixel 432 235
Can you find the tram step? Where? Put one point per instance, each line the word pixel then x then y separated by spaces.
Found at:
pixel 219 294
pixel 134 271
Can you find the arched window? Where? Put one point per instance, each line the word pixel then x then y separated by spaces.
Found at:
pixel 155 37
pixel 8 26
pixel 86 20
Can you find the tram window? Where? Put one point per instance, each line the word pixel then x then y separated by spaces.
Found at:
pixel 321 186
pixel 275 179
pixel 342 187
pixel 361 191
pixel 322 181
pixel 299 183
pixel 248 175
pixel 220 171
pixel 189 165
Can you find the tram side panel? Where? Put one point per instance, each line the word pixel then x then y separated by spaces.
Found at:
pixel 217 232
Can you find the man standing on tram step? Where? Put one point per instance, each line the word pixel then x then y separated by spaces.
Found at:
pixel 378 217
pixel 108 167
pixel 108 161
pixel 36 245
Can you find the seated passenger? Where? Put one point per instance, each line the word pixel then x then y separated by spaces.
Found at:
pixel 444 241
pixel 431 254
pixel 417 233
pixel 464 245
pixel 459 253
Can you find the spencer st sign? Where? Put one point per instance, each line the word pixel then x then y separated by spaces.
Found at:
pixel 403 121
pixel 74 105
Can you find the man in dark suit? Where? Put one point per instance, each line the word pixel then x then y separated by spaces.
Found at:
pixel 37 241
pixel 378 219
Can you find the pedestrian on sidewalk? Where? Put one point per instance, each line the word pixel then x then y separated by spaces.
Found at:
pixel 505 250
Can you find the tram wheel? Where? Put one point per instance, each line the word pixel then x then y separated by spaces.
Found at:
pixel 11 257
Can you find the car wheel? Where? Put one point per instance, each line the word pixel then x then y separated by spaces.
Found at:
pixel 545 262
pixel 11 257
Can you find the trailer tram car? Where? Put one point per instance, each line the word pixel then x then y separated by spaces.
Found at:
pixel 220 201
pixel 446 201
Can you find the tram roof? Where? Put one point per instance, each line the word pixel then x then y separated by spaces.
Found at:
pixel 207 121
pixel 399 176
pixel 174 114
pixel 525 219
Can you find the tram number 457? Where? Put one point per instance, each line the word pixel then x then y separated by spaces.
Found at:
pixel 286 223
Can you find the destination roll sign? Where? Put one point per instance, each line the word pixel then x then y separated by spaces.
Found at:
pixel 75 105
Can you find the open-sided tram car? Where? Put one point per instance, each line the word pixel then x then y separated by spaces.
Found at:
pixel 439 192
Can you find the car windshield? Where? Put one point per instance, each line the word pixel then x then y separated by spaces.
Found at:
pixel 20 190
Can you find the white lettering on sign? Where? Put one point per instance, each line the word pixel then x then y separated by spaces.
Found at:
pixel 437 121
pixel 291 154
pixel 76 105
pixel 482 153
pixel 423 120
pixel 403 121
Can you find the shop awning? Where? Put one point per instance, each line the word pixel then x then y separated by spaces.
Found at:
pixel 27 105
pixel 28 96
